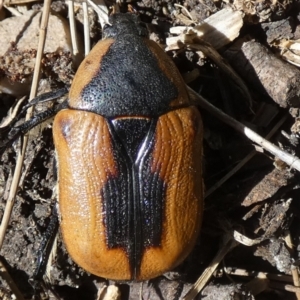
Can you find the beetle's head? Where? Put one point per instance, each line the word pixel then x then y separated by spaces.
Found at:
pixel 124 24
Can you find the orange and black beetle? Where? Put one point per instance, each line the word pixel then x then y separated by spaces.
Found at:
pixel 129 150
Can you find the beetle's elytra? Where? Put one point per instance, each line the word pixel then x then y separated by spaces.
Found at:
pixel 129 150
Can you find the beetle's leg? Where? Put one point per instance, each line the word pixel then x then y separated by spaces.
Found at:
pixel 9 135
pixel 45 250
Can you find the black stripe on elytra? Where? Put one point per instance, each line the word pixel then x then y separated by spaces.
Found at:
pixel 133 201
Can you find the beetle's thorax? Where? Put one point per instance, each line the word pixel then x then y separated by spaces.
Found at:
pixel 128 82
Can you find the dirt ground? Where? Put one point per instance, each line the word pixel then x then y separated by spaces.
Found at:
pixel 259 202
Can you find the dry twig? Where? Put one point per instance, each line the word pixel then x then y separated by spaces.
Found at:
pixel 12 113
pixel 203 279
pixel 20 159
pixel 289 159
pixel 5 275
pixel 272 280
pixel 245 160
pixel 73 27
pixel 86 26
pixel 101 9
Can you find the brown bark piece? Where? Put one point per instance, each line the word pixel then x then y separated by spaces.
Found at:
pixel 267 73
pixel 278 30
pixel 273 216
pixel 267 187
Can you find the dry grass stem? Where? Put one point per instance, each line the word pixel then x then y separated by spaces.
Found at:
pixel 20 158
pixel 86 28
pixel 13 11
pixel 257 285
pixel 73 27
pixel 289 159
pixel 12 113
pixel 262 275
pixel 6 277
pixel 245 160
pixel 100 8
pixel 206 275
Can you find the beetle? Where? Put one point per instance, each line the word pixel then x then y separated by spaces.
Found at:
pixel 128 143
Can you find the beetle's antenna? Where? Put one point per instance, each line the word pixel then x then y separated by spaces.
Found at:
pixel 37 100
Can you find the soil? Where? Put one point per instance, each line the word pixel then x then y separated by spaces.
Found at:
pixel 260 201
